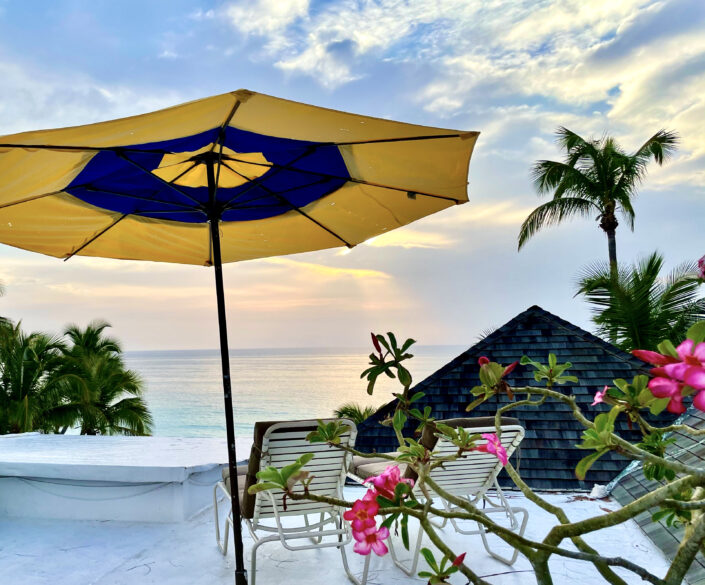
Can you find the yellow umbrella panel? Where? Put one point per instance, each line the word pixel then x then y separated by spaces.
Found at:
pixel 232 177
pixel 290 178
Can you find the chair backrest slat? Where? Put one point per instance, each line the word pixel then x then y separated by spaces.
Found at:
pixel 282 444
pixel 475 472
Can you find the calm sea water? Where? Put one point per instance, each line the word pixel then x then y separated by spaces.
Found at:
pixel 185 392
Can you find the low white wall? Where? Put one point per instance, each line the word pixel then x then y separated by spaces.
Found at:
pixel 143 479
pixel 93 500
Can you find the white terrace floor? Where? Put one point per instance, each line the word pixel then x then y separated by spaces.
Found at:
pixel 50 552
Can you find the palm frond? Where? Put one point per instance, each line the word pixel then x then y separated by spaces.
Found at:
pixel 552 213
pixel 355 412
pixel 639 307
pixel 661 146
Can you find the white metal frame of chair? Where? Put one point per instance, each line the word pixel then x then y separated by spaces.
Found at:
pixel 331 530
pixel 450 476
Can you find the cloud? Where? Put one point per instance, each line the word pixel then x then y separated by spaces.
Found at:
pixel 502 213
pixel 327 272
pixel 267 18
pixel 411 238
pixel 32 98
pixel 629 67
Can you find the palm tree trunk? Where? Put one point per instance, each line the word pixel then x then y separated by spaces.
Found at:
pixel 612 250
pixel 609 225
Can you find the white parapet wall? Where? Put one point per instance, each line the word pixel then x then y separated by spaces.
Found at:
pixel 147 479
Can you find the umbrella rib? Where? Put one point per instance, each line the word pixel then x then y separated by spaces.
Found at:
pixel 228 207
pixel 167 183
pixel 348 179
pixel 28 199
pixel 298 209
pixel 137 197
pixel 406 139
pixel 96 236
pixel 177 177
pixel 221 132
pixel 256 182
pixel 115 149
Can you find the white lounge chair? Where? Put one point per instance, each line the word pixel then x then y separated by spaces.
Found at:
pixel 279 444
pixel 470 477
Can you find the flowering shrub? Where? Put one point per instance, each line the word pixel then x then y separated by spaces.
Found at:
pixel 679 374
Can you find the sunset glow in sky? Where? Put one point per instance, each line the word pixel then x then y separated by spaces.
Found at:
pixel 512 70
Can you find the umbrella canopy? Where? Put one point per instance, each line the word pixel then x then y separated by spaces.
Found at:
pixel 291 178
pixel 232 177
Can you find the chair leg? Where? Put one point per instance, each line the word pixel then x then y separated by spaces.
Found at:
pixel 344 555
pixel 222 545
pixel 253 562
pixel 409 570
pixel 512 511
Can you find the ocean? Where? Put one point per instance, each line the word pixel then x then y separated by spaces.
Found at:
pixel 185 394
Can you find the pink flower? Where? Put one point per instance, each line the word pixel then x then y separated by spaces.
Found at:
pixel 509 369
pixel 482 360
pixel 701 268
pixel 388 480
pixel 459 560
pixel 673 374
pixel 494 447
pixel 362 515
pixel 371 539
pixel 600 396
pixel 667 388
pixel 375 342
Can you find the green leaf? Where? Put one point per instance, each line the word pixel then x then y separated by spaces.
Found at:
pixel 404 376
pixel 659 405
pixel 388 521
pixel 407 344
pixel 667 348
pixel 383 341
pixel 260 487
pixel 621 384
pixel 401 489
pixel 405 531
pixel 586 463
pixel 417 396
pixel 428 556
pixel 697 332
pixel 399 420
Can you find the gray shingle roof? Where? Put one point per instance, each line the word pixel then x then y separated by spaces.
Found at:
pixel 548 455
pixel 633 485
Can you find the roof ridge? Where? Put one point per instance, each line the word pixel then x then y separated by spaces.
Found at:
pixel 587 336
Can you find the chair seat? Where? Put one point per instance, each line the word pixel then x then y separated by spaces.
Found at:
pixel 366 467
pixel 241 473
pixel 241 470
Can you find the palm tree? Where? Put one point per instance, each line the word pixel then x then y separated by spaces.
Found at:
pixel 354 412
pixel 598 178
pixel 101 395
pixel 29 394
pixel 104 398
pixel 639 308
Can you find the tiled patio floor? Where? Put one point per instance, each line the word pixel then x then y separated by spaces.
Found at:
pixel 51 552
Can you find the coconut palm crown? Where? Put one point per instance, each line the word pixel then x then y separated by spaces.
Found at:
pixel 597 178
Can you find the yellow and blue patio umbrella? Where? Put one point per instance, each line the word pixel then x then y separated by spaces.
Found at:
pixel 232 177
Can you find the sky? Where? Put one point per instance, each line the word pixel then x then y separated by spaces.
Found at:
pixel 513 70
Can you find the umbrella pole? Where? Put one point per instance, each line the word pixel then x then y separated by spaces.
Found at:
pixel 240 572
